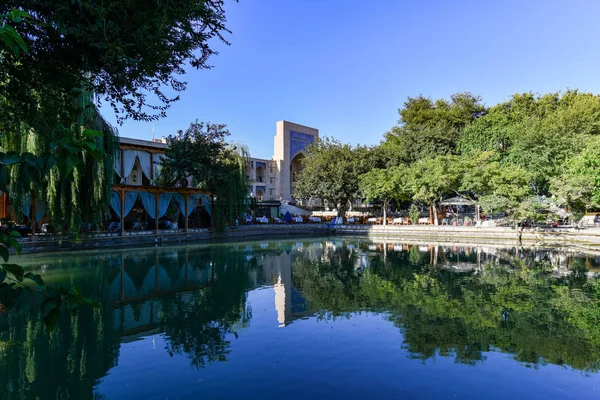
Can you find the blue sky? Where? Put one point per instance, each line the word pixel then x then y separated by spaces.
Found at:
pixel 346 66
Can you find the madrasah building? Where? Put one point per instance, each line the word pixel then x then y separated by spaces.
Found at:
pixel 274 179
pixel 267 179
pixel 136 170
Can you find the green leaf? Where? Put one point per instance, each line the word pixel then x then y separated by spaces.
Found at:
pixel 37 279
pixel 9 158
pixel 91 133
pixel 52 319
pixel 16 245
pixel 89 145
pixel 48 305
pixel 4 252
pixel 16 270
pixel 12 39
pixel 2 276
pixel 18 15
pixel 70 164
pixel 80 299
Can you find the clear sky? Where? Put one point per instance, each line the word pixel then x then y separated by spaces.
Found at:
pixel 346 66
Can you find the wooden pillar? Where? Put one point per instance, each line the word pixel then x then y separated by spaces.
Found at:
pixel 185 213
pixel 33 219
pixel 122 212
pixel 157 197
pixel 5 205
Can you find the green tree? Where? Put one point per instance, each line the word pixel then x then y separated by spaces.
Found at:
pixel 429 128
pixel 430 179
pixel 579 185
pixel 330 172
pixel 489 183
pixel 384 185
pixel 131 54
pixel 202 153
pixel 197 152
pixel 508 188
pixel 537 133
pixel 14 280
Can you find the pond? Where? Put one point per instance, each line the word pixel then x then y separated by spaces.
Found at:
pixel 313 318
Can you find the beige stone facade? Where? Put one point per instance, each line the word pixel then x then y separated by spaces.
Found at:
pixel 274 179
pixel 267 179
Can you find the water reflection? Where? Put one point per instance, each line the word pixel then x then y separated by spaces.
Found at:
pixel 538 305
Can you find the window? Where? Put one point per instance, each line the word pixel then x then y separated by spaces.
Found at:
pixel 271 192
pixel 260 179
pixel 135 177
pixel 271 170
pixel 272 181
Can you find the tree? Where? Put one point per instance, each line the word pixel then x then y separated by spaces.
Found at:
pixel 579 185
pixel 404 145
pixel 15 282
pixel 430 179
pixel 330 172
pixel 197 153
pixel 385 185
pixel 456 113
pixel 121 51
pixel 67 163
pixel 509 186
pixel 202 154
pixel 489 183
pixel 537 133
pixel 427 127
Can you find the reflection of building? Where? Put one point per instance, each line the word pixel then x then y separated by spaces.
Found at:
pixel 283 289
pixel 277 271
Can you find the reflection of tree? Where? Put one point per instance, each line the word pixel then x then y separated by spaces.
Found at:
pixel 67 362
pixel 518 309
pixel 198 323
pixel 329 285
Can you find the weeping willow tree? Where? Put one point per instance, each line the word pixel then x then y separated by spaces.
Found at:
pixel 70 169
pixel 232 194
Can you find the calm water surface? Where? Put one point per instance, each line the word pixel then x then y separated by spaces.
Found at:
pixel 316 318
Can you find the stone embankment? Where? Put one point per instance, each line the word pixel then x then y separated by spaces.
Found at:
pixel 588 238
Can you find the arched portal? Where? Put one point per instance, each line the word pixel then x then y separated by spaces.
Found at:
pixel 260 194
pixel 295 169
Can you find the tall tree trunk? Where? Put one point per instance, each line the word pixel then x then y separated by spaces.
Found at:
pixel 385 206
pixel 435 215
pixel 341 210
